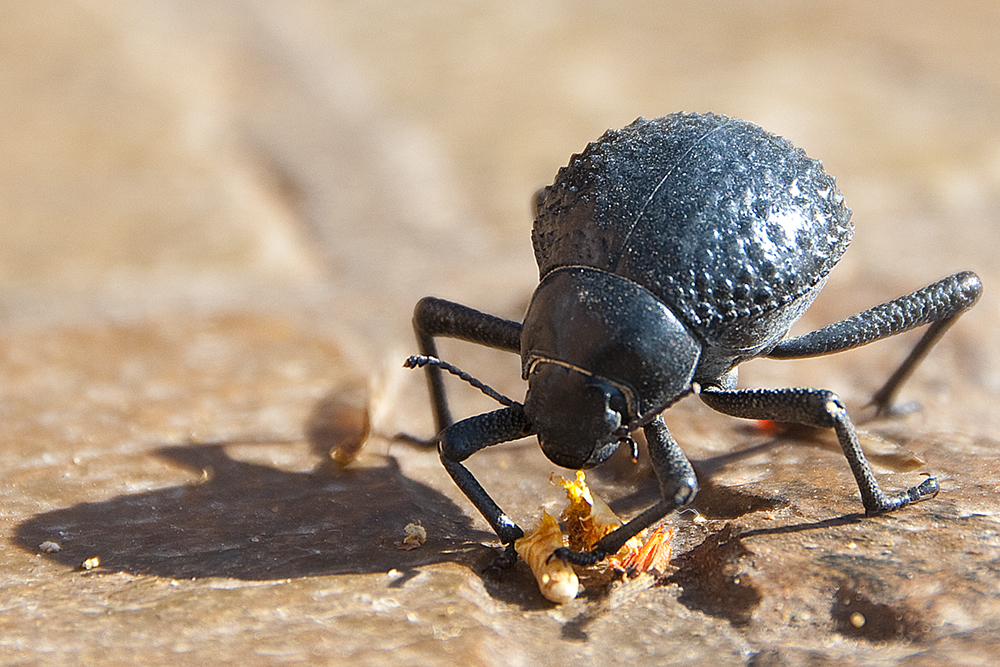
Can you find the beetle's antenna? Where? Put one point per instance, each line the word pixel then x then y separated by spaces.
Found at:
pixel 648 417
pixel 419 361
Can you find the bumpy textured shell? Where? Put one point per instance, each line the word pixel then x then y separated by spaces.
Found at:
pixel 731 226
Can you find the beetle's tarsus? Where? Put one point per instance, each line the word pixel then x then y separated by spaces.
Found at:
pixel 581 558
pixel 502 563
pixel 926 490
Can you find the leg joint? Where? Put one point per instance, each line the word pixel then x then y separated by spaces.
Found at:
pixel 681 491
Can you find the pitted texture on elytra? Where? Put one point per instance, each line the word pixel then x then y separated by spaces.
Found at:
pixel 726 222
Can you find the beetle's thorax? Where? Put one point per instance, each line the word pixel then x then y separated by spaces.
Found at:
pixel 612 328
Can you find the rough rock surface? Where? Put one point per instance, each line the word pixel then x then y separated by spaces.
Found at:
pixel 215 219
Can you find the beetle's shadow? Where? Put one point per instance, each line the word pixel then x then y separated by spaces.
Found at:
pixel 255 522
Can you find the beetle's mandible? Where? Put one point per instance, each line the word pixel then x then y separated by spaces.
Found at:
pixel 669 252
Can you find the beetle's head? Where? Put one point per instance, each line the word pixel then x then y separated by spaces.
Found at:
pixel 601 354
pixel 577 416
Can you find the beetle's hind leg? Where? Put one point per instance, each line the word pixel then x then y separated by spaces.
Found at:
pixel 820 408
pixel 437 317
pixel 938 304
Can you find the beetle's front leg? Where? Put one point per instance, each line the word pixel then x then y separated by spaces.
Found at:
pixel 823 409
pixel 463 439
pixel 678 487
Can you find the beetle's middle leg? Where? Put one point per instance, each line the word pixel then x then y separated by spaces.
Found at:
pixel 819 408
pixel 678 486
pixel 938 305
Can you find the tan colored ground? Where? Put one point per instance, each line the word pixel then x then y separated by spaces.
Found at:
pixel 214 217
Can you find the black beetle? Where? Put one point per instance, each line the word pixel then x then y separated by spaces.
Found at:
pixel 669 252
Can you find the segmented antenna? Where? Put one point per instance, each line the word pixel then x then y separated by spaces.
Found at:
pixel 419 361
pixel 648 417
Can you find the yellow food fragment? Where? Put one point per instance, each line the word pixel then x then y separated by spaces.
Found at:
pixel 91 563
pixel 588 518
pixel 556 580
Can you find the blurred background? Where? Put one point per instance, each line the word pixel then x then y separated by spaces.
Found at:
pixel 169 150
pixel 339 160
pixel 211 214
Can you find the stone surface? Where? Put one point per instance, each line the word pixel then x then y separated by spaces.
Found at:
pixel 216 220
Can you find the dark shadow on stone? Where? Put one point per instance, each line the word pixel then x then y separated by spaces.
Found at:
pixel 714 501
pixel 710 581
pixel 255 522
pixel 882 449
pixel 710 466
pixel 575 629
pixel 844 520
pixel 855 615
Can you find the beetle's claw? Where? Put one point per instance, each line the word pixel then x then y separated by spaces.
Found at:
pixel 581 558
pixel 926 489
pixel 885 408
pixel 506 560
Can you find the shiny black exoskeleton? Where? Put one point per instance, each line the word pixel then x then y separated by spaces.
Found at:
pixel 669 252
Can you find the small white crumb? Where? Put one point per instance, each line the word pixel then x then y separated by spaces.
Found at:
pixel 48 547
pixel 416 535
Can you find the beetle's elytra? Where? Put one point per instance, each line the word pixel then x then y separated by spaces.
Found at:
pixel 726 223
pixel 669 252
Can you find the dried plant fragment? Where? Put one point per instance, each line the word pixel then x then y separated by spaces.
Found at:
pixel 556 580
pixel 341 422
pixel 416 535
pixel 588 518
pixel 652 556
pixel 49 547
